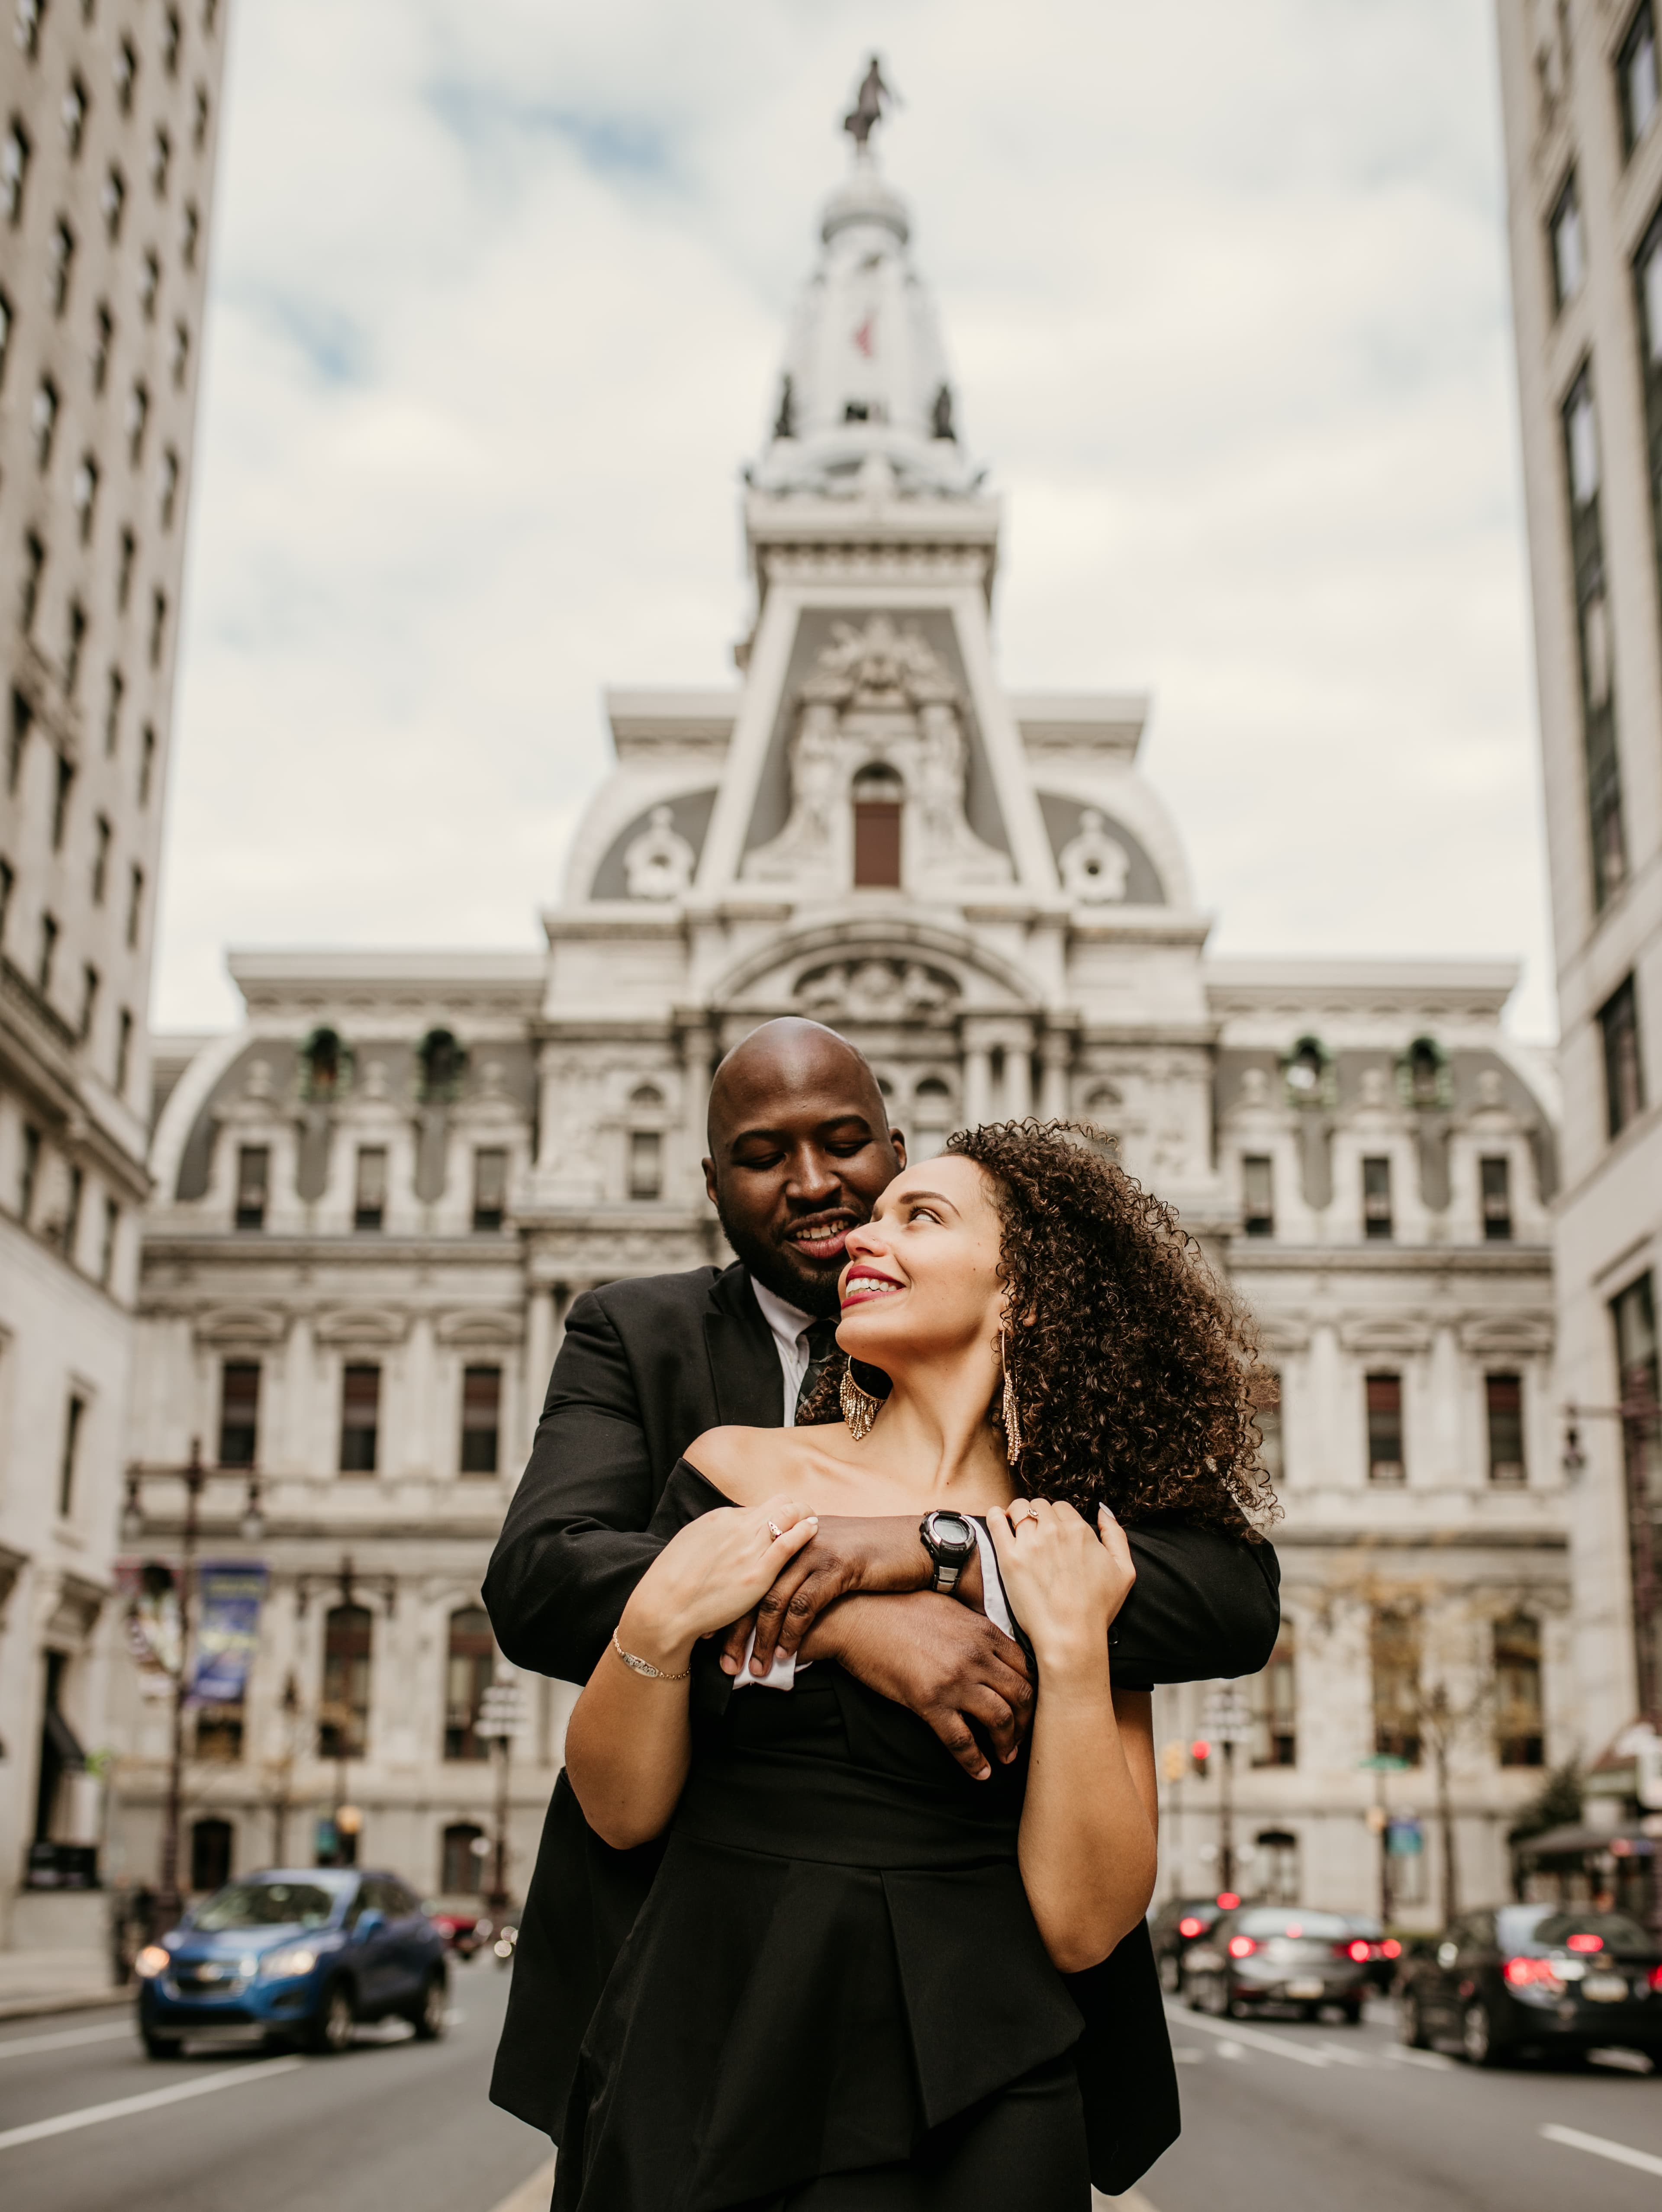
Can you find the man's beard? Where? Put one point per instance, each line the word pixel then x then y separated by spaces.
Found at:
pixel 811 1288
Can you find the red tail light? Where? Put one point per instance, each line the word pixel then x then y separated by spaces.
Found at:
pixel 1242 1947
pixel 1391 1948
pixel 1656 1978
pixel 1190 1926
pixel 1584 1942
pixel 1531 1973
pixel 1356 1949
pixel 1227 1900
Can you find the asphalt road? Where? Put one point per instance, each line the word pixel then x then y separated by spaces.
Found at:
pixel 392 2123
pixel 1284 2117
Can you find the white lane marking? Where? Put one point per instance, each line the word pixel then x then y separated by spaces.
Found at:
pixel 1187 2055
pixel 533 2193
pixel 1256 2039
pixel 20 2047
pixel 1400 2055
pixel 1231 2050
pixel 1602 2147
pixel 90 2115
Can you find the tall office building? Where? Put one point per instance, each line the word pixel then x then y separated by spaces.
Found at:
pixel 1579 86
pixel 108 118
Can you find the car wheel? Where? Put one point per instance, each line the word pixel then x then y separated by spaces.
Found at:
pixel 161 2046
pixel 1477 2037
pixel 332 2029
pixel 1238 2008
pixel 1411 2022
pixel 430 2016
pixel 1352 2014
pixel 1213 2000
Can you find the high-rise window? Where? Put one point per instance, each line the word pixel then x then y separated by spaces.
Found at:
pixel 64 784
pixel 138 414
pixel 114 693
pixel 239 1412
pixel 74 113
pixel 44 420
pixel 101 835
pixel 29 13
pixel 126 554
pixel 645 1164
pixel 1395 1651
pixel 28 593
pixel 344 1711
pixel 83 495
pixel 1609 852
pixel 146 764
pixel 103 340
pixel 1624 1067
pixel 124 1046
pixel 1636 72
pixel 1384 1428
pixel 490 1187
pixel 253 1177
pixel 124 70
pixel 5 332
pixel 1569 256
pixel 111 201
pixel 1520 1730
pixel 89 1000
pixel 73 1201
pixel 135 903
pixel 149 284
pixel 75 1418
pixel 29 1173
pixel 43 974
pixel 361 1415
pixel 74 637
pixel 60 261
pixel 878 828
pixel 1503 1400
pixel 1258 1194
pixel 1495 1174
pixel 17 738
pixel 369 1187
pixel 469 1660
pixel 107 1242
pixel 1376 1197
pixel 461 1868
pixel 8 881
pixel 481 1412
pixel 13 168
pixel 1275 1708
pixel 158 626
pixel 179 359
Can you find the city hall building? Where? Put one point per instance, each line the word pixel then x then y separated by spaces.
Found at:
pixel 376 1200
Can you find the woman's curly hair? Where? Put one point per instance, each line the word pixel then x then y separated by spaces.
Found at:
pixel 1134 1368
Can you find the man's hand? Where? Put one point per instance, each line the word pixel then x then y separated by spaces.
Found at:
pixel 942 1661
pixel 876 1554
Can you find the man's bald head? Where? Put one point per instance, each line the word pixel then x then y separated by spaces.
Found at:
pixel 800 1146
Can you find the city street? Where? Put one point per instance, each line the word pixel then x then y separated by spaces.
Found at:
pixel 1284 2117
pixel 392 2123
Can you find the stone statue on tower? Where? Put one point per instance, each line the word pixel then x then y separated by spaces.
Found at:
pixel 868 105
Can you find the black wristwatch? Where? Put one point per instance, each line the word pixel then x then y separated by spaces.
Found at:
pixel 950 1542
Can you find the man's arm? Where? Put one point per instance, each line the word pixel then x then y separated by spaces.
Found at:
pixel 573 1545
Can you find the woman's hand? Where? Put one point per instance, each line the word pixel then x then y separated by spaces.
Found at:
pixel 1065 1580
pixel 714 1569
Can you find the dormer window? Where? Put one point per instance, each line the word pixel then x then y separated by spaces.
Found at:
pixel 1306 1072
pixel 443 1061
pixel 1424 1074
pixel 878 795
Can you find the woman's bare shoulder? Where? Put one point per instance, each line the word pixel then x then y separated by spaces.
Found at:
pixel 746 1463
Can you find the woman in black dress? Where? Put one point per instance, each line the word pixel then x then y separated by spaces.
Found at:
pixel 861 1982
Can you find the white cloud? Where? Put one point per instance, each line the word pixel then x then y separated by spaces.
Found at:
pixel 499 289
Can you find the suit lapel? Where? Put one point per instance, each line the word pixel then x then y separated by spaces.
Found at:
pixel 744 1368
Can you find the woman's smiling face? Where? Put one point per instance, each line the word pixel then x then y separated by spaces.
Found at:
pixel 922 1275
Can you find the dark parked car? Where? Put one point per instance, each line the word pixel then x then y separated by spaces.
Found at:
pixel 1383 1951
pixel 1533 1979
pixel 1173 1928
pixel 1277 1956
pixel 294 1957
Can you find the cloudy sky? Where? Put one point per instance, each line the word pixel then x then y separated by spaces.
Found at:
pixel 498 291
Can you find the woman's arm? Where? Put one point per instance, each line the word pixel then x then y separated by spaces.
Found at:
pixel 1087 1841
pixel 628 1741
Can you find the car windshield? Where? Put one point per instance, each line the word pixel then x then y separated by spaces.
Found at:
pixel 1326 1927
pixel 264 1905
pixel 1362 1924
pixel 1548 1929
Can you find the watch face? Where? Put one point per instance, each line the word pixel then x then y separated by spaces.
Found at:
pixel 952 1533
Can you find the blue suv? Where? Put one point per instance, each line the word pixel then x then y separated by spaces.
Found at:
pixel 294 1957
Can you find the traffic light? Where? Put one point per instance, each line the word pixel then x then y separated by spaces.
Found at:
pixel 1201 1752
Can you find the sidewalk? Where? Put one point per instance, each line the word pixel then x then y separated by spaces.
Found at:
pixel 33 1982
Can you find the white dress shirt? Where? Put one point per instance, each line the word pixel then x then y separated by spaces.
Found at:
pixel 788 1327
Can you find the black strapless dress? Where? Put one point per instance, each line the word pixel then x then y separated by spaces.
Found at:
pixel 836 1973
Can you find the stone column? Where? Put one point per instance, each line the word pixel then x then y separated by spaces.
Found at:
pixel 1055 1052
pixel 417 1446
pixel 539 1352
pixel 1018 1074
pixel 978 1084
pixel 697 1043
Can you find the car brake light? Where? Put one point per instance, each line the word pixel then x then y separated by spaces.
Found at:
pixel 1190 1926
pixel 1391 1948
pixel 1531 1973
pixel 1242 1947
pixel 1656 1978
pixel 1227 1900
pixel 1356 1949
pixel 1584 1943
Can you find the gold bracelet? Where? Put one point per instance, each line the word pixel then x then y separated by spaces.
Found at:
pixel 646 1666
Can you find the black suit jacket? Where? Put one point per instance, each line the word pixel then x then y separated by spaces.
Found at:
pixel 647 1365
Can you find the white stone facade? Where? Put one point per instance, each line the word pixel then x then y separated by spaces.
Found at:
pixel 981 889
pixel 108 122
pixel 1583 175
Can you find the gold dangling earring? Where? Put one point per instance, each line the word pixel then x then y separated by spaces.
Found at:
pixel 1012 1422
pixel 859 1408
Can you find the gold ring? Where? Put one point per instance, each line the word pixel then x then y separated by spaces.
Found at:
pixel 778 1531
pixel 1023 1510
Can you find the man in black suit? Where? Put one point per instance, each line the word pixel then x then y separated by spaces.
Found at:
pixel 800 1150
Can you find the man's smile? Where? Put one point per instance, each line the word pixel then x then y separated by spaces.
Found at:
pixel 822 1239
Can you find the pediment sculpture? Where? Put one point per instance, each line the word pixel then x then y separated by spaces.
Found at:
pixel 659 863
pixel 1094 866
pixel 878 990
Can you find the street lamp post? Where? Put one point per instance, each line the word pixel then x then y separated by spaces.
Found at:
pixel 194 1476
pixel 501 1716
pixel 1227 1722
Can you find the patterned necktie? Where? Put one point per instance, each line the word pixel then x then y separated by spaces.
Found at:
pixel 821 1351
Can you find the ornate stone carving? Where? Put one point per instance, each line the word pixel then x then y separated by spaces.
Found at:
pixel 878 991
pixel 1094 865
pixel 659 863
pixel 879 695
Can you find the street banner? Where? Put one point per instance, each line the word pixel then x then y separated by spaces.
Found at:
pixel 229 1594
pixel 153 1625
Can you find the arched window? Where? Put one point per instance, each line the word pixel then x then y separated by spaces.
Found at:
pixel 443 1063
pixel 462 1870
pixel 471 1653
pixel 326 1065
pixel 1394 1644
pixel 343 1715
pixel 210 1854
pixel 878 793
pixel 1519 1728
pixel 1424 1073
pixel 1278 1857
